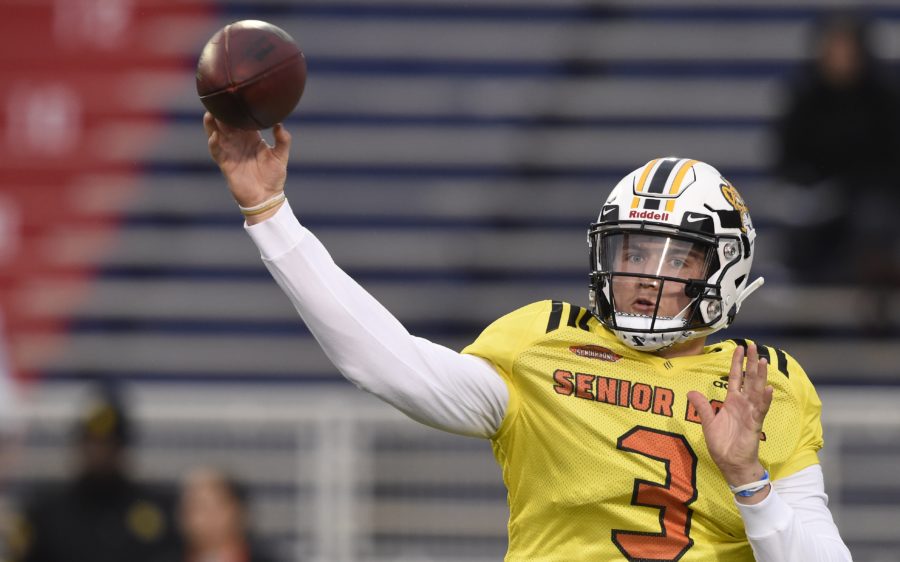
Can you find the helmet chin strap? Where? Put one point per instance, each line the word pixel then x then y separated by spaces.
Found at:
pixel 748 290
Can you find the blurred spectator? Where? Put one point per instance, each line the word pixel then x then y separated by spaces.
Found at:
pixel 213 517
pixel 838 144
pixel 102 515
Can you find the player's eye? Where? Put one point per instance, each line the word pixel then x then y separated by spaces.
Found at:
pixel 635 259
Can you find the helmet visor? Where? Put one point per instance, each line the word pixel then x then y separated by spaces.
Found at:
pixel 654 282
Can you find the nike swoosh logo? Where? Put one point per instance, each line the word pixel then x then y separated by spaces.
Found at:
pixel 608 211
pixel 695 219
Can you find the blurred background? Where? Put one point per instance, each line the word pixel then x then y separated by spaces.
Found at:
pixel 450 155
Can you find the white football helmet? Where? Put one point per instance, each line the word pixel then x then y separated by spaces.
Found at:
pixel 670 254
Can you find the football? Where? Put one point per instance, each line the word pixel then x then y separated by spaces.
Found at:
pixel 251 74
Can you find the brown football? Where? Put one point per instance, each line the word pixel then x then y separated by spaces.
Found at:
pixel 251 74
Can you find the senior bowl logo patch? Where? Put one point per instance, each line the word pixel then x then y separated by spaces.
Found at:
pixel 595 352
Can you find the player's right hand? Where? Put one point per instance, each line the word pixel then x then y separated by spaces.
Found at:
pixel 254 170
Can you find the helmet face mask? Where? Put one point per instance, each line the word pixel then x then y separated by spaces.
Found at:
pixel 670 255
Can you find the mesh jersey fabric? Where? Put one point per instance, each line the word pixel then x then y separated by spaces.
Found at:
pixel 603 458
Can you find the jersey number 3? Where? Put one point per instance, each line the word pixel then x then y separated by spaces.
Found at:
pixel 671 498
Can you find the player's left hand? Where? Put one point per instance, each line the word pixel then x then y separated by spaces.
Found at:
pixel 732 435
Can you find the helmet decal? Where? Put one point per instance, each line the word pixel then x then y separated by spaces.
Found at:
pixel 737 202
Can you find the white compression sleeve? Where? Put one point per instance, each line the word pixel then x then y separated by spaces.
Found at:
pixel 794 523
pixel 430 383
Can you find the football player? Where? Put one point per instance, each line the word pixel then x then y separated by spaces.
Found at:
pixel 621 434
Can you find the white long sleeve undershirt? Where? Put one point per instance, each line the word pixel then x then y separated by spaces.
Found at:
pixel 463 394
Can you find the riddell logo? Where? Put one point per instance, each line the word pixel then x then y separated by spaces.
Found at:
pixel 648 215
pixel 595 352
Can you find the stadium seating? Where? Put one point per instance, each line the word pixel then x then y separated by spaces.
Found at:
pixel 451 157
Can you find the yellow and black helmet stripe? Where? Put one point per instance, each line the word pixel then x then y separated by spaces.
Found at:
pixel 675 189
pixel 655 177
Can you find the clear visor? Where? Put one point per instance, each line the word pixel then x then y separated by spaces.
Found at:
pixel 654 282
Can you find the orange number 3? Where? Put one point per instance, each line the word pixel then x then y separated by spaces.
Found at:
pixel 672 498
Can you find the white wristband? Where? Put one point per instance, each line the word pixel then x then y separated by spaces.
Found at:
pixel 264 206
pixel 747 490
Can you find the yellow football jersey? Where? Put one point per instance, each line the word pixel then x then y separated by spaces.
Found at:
pixel 602 456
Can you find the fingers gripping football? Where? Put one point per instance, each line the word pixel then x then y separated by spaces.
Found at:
pixel 255 171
